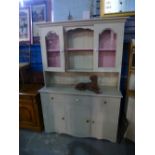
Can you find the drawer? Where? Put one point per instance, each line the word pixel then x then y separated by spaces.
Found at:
pixel 65 98
pixel 57 98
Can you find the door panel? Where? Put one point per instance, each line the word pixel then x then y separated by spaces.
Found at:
pixel 105 116
pixel 52 47
pixel 60 117
pixel 47 108
pixel 26 114
pixel 80 116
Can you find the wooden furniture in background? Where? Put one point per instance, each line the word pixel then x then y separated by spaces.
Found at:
pixel 30 113
pixel 130 97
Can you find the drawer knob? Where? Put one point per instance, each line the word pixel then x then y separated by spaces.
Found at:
pixel 63 118
pixel 52 98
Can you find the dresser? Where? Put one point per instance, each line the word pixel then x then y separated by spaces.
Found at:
pixel 72 52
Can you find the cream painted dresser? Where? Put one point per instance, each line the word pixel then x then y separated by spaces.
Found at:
pixel 72 51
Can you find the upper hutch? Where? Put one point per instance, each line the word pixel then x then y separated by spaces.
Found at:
pixel 72 51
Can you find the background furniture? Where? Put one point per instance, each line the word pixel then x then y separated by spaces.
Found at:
pixel 30 113
pixel 71 53
pixel 130 97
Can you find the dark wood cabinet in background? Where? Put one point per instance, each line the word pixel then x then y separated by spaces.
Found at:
pixel 30 113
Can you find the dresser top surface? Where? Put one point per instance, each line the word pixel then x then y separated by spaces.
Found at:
pixel 64 89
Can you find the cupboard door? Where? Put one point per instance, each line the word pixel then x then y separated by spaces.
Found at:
pixel 47 109
pixel 60 120
pixel 105 116
pixel 52 46
pixel 79 117
pixel 26 114
pixel 108 41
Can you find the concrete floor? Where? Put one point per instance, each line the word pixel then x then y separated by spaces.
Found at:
pixel 34 143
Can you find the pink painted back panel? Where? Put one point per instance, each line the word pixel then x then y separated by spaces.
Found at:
pixel 53 59
pixel 106 59
pixel 107 40
pixel 52 42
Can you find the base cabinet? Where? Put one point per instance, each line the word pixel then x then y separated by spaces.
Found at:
pixel 81 115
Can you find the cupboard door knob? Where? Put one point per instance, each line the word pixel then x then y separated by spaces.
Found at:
pixel 77 100
pixel 52 98
pixel 87 121
pixel 105 102
pixel 93 122
pixel 63 118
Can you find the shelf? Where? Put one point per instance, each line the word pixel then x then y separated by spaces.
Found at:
pixel 106 59
pixel 80 39
pixel 80 60
pixel 106 50
pixel 80 70
pixel 79 49
pixel 53 59
pixel 53 50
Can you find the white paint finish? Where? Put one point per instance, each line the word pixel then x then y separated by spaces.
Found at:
pixel 79 117
pixel 80 38
pixel 84 116
pixel 59 116
pixel 82 113
pixel 80 60
pixel 117 28
pixel 70 90
pixel 105 117
pixel 59 31
pixel 71 78
pixel 83 23
pixel 47 109
pixel 76 37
